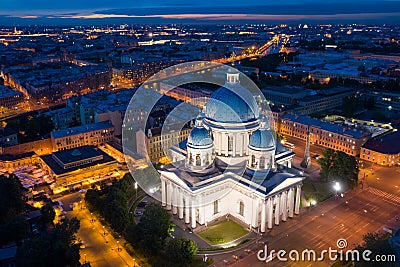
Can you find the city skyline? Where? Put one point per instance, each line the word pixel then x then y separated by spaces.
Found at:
pixel 102 12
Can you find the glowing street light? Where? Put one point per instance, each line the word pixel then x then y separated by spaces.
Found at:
pixel 337 187
pixel 136 187
pixel 313 202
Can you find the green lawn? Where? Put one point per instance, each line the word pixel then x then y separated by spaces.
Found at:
pixel 223 232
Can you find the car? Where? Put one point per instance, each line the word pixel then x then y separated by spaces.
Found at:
pixel 316 156
pixel 139 213
pixel 142 204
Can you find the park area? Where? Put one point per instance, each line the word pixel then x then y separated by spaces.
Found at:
pixel 223 232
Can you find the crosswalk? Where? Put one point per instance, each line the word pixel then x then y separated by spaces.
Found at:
pixel 390 198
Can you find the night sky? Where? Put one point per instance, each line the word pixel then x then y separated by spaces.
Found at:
pixel 77 11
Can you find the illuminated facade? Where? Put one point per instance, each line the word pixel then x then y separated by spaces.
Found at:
pixel 232 166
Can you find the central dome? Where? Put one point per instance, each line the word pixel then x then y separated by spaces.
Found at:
pixel 225 105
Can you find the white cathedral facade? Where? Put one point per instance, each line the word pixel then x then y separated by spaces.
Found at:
pixel 231 165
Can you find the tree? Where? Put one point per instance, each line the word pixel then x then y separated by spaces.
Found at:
pixel 378 244
pixel 338 165
pixel 326 163
pixel 180 251
pixel 48 213
pixel 153 228
pixel 14 231
pixel 11 200
pixel 350 105
pixel 57 249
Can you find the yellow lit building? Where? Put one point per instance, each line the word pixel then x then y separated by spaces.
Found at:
pixel 79 166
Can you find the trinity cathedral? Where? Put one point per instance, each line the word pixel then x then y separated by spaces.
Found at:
pixel 231 165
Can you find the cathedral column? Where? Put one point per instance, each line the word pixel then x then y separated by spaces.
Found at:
pixel 220 143
pixel 241 145
pixel 225 138
pixel 277 209
pixel 174 199
pixel 298 194
pixel 254 220
pixel 270 208
pixel 201 210
pixel 289 163
pixel 193 211
pixel 163 193
pixel 181 207
pixel 234 145
pixel 169 195
pixel 291 202
pixel 263 216
pixel 284 206
pixel 187 209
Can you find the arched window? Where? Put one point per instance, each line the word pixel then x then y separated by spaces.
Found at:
pixel 198 160
pixel 253 161
pixel 190 158
pixel 262 162
pixel 215 206
pixel 206 161
pixel 230 143
pixel 241 208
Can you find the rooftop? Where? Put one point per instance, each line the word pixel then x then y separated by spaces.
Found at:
pixel 355 132
pixel 85 152
pixel 6 91
pixel 81 129
pixel 384 144
pixel 77 154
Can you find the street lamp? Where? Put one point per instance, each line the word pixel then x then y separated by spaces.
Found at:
pixel 337 188
pixel 313 202
pixel 136 186
pixel 134 262
pixel 91 217
pixel 104 231
pixel 118 245
pixel 85 257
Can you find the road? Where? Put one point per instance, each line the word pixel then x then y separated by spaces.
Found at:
pixel 373 205
pixel 319 228
pixel 101 248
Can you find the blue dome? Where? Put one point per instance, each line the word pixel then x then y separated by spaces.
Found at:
pixel 262 138
pixel 225 105
pixel 199 136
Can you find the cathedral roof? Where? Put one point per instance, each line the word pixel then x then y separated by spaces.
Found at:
pixel 199 136
pixel 232 105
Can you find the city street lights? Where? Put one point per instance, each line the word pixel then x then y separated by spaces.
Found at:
pixel 134 263
pixel 337 188
pixel 91 217
pixel 136 186
pixel 85 257
pixel 118 245
pixel 104 231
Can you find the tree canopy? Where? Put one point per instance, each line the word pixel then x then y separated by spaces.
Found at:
pixel 56 249
pixel 180 251
pixel 339 166
pixel 153 228
pixel 11 199
pixel 48 213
